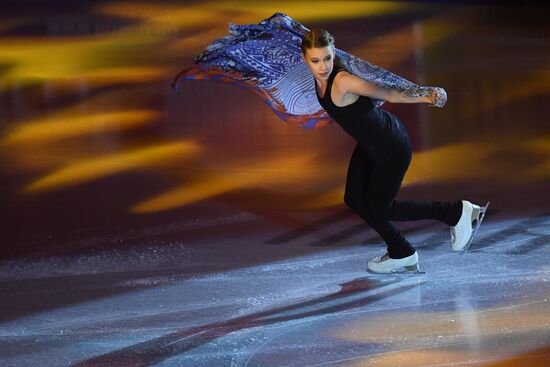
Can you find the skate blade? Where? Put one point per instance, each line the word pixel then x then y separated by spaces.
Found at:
pixel 482 212
pixel 406 270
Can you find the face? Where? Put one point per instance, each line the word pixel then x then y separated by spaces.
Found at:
pixel 320 60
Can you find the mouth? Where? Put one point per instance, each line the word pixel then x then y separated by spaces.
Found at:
pixel 323 74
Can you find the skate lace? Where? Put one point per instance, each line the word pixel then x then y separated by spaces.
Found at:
pixel 383 258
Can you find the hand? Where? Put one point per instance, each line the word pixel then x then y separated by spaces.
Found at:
pixel 439 97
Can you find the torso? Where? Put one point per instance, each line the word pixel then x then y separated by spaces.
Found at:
pixel 339 98
pixel 376 130
pixel 342 106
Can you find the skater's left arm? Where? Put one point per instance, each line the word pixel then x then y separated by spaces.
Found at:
pixel 433 96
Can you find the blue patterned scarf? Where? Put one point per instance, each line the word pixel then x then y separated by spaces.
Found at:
pixel 265 58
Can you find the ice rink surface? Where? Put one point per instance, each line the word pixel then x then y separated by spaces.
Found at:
pixel 197 304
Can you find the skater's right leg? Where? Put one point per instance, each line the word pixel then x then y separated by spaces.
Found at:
pixel 407 210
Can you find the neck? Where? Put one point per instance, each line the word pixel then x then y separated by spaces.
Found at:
pixel 321 82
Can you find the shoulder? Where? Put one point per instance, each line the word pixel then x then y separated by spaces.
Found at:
pixel 346 80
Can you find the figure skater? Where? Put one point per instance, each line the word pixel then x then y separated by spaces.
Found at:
pixel 381 156
pixel 276 60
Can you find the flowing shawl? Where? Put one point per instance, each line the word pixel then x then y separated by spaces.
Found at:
pixel 265 58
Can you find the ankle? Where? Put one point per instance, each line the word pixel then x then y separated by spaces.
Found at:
pixel 401 254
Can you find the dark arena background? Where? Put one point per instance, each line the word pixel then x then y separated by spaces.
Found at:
pixel 144 227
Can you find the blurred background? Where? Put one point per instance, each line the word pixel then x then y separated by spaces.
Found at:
pixel 96 150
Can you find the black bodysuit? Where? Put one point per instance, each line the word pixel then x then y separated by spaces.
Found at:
pixel 377 131
pixel 376 170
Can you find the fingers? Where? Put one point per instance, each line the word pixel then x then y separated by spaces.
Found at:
pixel 440 97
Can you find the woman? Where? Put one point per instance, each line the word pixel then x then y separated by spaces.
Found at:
pixel 265 58
pixel 382 155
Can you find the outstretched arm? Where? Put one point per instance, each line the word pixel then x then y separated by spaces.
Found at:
pixel 353 84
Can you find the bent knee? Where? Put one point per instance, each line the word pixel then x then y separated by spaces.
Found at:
pixel 357 205
pixel 352 203
pixel 378 212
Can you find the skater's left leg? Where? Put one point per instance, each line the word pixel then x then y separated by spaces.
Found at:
pixel 384 183
pixel 358 186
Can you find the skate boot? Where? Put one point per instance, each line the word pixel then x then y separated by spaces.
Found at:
pixel 385 264
pixel 463 232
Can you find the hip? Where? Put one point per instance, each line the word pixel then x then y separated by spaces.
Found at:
pixel 393 144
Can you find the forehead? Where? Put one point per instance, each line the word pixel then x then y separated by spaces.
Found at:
pixel 319 52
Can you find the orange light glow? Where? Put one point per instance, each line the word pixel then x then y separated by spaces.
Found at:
pixel 91 169
pixel 459 327
pixel 52 129
pixel 277 170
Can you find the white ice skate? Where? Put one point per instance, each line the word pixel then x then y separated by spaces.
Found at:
pixel 385 264
pixel 464 231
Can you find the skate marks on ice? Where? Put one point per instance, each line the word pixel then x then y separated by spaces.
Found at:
pixel 421 325
pixel 510 237
pixel 334 224
pixel 403 272
pixel 20 295
pixel 362 228
pixel 511 351
pixel 308 228
pixel 353 295
pixel 521 237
